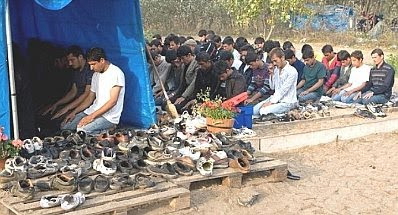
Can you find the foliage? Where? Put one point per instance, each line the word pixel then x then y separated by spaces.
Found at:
pixel 8 148
pixel 393 61
pixel 214 108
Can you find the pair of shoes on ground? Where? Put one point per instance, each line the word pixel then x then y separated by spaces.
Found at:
pixel 67 202
pixel 169 171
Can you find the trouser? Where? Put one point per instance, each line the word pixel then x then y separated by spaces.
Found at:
pixel 310 97
pixel 376 99
pixel 95 127
pixel 346 99
pixel 278 108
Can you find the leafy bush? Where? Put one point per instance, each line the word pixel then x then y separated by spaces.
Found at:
pixel 393 61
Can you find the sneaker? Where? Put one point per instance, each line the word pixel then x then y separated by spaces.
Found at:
pixel 364 114
pixel 69 202
pixel 49 201
pixel 157 156
pixel 63 182
pixel 120 181
pixel 85 185
pixel 86 154
pixel 37 143
pixel 125 166
pixel 155 143
pixel 205 166
pixel 376 110
pixel 187 161
pixel 36 160
pixel 23 189
pixel 28 146
pixel 82 135
pixel 187 151
pixel 7 176
pixel 165 170
pixel 41 170
pixel 105 167
pixel 241 164
pixel 71 170
pixel 135 152
pixel 182 169
pixel 121 156
pixel 140 164
pixel 220 160
pixel 108 154
pixel 234 154
pixel 101 183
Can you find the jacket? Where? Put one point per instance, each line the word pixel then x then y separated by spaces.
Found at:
pixel 234 85
pixel 187 79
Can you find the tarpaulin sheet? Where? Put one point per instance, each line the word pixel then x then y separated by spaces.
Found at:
pixel 328 17
pixel 114 25
pixel 4 84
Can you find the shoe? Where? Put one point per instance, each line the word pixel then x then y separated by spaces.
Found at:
pixel 108 154
pixel 71 170
pixel 120 181
pixel 187 151
pixel 85 185
pixel 82 135
pixel 74 139
pixel 182 169
pixel 63 182
pixel 125 166
pixel 292 177
pixel 46 153
pixel 101 183
pixel 105 167
pixel 86 154
pixel 220 160
pixel 364 114
pixel 142 181
pixel 205 166
pixel 66 133
pixel 268 117
pixel 157 156
pixel 247 155
pixel 165 170
pixel 121 138
pixel 241 164
pixel 224 140
pixel 85 166
pixel 53 151
pixel 29 146
pixel 23 189
pixel 16 163
pixel 69 202
pixel 376 110
pixel 246 146
pixel 49 201
pixel 135 152
pixel 43 185
pixel 140 164
pixel 155 143
pixel 121 155
pixel 36 160
pixel 187 161
pixel 168 131
pixel 234 154
pixel 41 170
pixel 7 176
pixel 37 143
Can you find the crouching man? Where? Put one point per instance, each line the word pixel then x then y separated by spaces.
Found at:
pixel 102 109
pixel 283 79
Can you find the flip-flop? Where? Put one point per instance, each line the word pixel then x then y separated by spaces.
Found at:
pixel 292 177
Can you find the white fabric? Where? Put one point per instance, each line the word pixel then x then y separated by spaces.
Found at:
pixel 358 76
pixel 101 85
pixel 284 84
pixel 236 55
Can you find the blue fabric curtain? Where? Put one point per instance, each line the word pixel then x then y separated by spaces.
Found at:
pixel 114 25
pixel 4 84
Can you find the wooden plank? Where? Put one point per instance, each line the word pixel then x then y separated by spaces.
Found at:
pixel 217 173
pixel 263 166
pixel 93 199
pixel 234 181
pixel 130 203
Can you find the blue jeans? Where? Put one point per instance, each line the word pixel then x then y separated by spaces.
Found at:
pixel 376 99
pixel 95 127
pixel 278 108
pixel 346 99
pixel 310 97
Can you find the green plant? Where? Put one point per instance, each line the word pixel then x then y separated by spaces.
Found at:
pixel 214 108
pixel 8 148
pixel 393 61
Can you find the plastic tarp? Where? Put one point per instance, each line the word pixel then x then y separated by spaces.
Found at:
pixel 4 84
pixel 329 17
pixel 114 25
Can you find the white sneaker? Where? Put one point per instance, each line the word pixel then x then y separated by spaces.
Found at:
pixel 28 146
pixel 187 151
pixel 108 154
pixel 19 163
pixel 69 202
pixel 205 166
pixel 37 143
pixel 49 201
pixel 182 136
pixel 105 167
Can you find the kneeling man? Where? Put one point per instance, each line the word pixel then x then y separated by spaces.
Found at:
pixel 283 79
pixel 101 110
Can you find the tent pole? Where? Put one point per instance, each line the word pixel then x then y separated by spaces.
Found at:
pixel 11 72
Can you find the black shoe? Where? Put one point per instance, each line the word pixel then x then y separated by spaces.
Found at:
pixel 165 170
pixel 142 181
pixel 101 183
pixel 292 177
pixel 85 185
pixel 268 117
pixel 182 169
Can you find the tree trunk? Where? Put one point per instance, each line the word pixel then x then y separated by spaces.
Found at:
pixel 270 32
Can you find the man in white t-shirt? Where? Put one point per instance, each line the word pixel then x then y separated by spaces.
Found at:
pixel 104 105
pixel 351 92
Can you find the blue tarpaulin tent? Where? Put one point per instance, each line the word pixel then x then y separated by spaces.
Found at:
pixel 329 17
pixel 114 25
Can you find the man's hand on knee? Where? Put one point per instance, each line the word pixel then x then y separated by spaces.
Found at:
pixel 68 118
pixel 86 120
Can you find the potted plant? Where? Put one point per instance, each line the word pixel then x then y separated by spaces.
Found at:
pixel 8 148
pixel 219 116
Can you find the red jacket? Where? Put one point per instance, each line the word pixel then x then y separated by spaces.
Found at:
pixel 333 70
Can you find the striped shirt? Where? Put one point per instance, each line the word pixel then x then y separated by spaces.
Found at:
pixel 381 80
pixel 284 84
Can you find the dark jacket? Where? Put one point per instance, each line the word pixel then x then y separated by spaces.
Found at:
pixel 204 79
pixel 343 78
pixel 381 80
pixel 187 81
pixel 234 85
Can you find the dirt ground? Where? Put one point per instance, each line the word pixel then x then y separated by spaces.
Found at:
pixel 348 177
